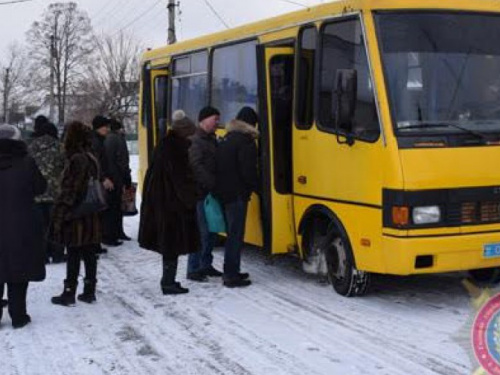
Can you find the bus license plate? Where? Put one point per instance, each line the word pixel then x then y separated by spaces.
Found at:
pixel 491 250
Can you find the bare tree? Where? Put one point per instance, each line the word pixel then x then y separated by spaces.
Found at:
pixel 11 76
pixel 111 82
pixel 60 45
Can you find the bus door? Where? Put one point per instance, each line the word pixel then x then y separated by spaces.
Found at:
pixel 279 92
pixel 159 87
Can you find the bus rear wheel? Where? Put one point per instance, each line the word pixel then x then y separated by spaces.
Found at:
pixel 488 276
pixel 342 273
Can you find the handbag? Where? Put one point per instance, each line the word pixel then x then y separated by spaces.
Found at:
pixel 95 196
pixel 214 215
pixel 129 207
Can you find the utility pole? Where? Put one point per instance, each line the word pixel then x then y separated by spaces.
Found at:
pixel 171 21
pixel 6 89
pixel 52 57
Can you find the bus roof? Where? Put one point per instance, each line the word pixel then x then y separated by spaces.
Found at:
pixel 311 14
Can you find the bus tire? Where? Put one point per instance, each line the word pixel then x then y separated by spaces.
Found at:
pixel 342 273
pixel 488 276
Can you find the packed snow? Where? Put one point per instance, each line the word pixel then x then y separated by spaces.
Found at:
pixel 285 323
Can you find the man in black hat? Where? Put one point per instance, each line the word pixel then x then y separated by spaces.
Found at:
pixel 202 160
pixel 118 164
pixel 101 128
pixel 236 178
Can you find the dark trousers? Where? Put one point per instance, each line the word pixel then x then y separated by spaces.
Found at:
pixel 236 213
pixel 52 250
pixel 169 270
pixel 203 258
pixel 89 257
pixel 16 294
pixel 112 218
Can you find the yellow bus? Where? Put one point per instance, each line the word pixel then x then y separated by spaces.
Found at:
pixel 380 131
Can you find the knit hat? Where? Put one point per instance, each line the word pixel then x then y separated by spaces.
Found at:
pixel 182 124
pixel 99 122
pixel 10 132
pixel 207 112
pixel 248 115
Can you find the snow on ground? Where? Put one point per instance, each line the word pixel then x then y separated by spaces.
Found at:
pixel 286 323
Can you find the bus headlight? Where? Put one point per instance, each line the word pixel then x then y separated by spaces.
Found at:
pixel 426 215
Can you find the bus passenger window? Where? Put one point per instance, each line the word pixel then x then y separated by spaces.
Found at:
pixel 343 47
pixel 234 79
pixel 190 83
pixel 161 84
pixel 306 62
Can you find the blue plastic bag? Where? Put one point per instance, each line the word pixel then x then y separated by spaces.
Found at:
pixel 214 215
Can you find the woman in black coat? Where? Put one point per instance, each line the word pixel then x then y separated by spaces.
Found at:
pixel 22 258
pixel 168 213
pixel 82 235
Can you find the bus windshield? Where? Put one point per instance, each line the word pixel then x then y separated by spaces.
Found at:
pixel 442 71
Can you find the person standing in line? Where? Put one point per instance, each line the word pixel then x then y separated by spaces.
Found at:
pixel 236 178
pixel 82 235
pixel 46 150
pixel 117 157
pixel 101 127
pixel 22 258
pixel 168 212
pixel 202 159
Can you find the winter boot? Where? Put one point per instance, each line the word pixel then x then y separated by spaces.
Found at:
pixel 88 294
pixel 67 298
pixel 168 283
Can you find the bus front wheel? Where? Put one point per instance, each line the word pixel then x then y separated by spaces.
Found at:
pixel 489 276
pixel 342 273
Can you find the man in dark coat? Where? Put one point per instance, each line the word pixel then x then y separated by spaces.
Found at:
pixel 236 179
pixel 168 213
pixel 117 159
pixel 22 258
pixel 101 126
pixel 202 159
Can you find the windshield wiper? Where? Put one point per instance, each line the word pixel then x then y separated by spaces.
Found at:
pixel 445 125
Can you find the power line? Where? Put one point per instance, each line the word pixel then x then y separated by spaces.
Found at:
pixel 13 2
pixel 216 14
pixel 295 3
pixel 140 16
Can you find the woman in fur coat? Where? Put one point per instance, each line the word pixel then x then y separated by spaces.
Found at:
pixel 81 236
pixel 168 223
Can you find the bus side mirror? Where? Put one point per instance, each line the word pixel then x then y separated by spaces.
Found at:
pixel 345 93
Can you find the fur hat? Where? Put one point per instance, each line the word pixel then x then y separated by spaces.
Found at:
pixel 248 115
pixel 182 124
pixel 10 132
pixel 207 112
pixel 99 122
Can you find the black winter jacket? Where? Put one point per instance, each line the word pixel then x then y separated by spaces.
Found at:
pixel 117 159
pixel 202 159
pixel 22 258
pixel 99 151
pixel 236 163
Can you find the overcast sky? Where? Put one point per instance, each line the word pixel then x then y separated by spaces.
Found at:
pixel 146 19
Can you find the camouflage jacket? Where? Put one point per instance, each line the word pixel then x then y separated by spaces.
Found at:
pixel 48 155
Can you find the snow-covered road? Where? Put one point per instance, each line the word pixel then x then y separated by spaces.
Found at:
pixel 286 323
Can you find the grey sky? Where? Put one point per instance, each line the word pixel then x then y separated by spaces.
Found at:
pixel 146 19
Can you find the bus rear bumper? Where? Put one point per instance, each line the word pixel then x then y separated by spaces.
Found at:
pixel 419 255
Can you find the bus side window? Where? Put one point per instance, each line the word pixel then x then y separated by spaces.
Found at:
pixel 304 103
pixel 234 78
pixel 161 85
pixel 343 47
pixel 190 83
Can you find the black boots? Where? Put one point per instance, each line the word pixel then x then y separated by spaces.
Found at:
pixel 168 283
pixel 88 295
pixel 67 298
